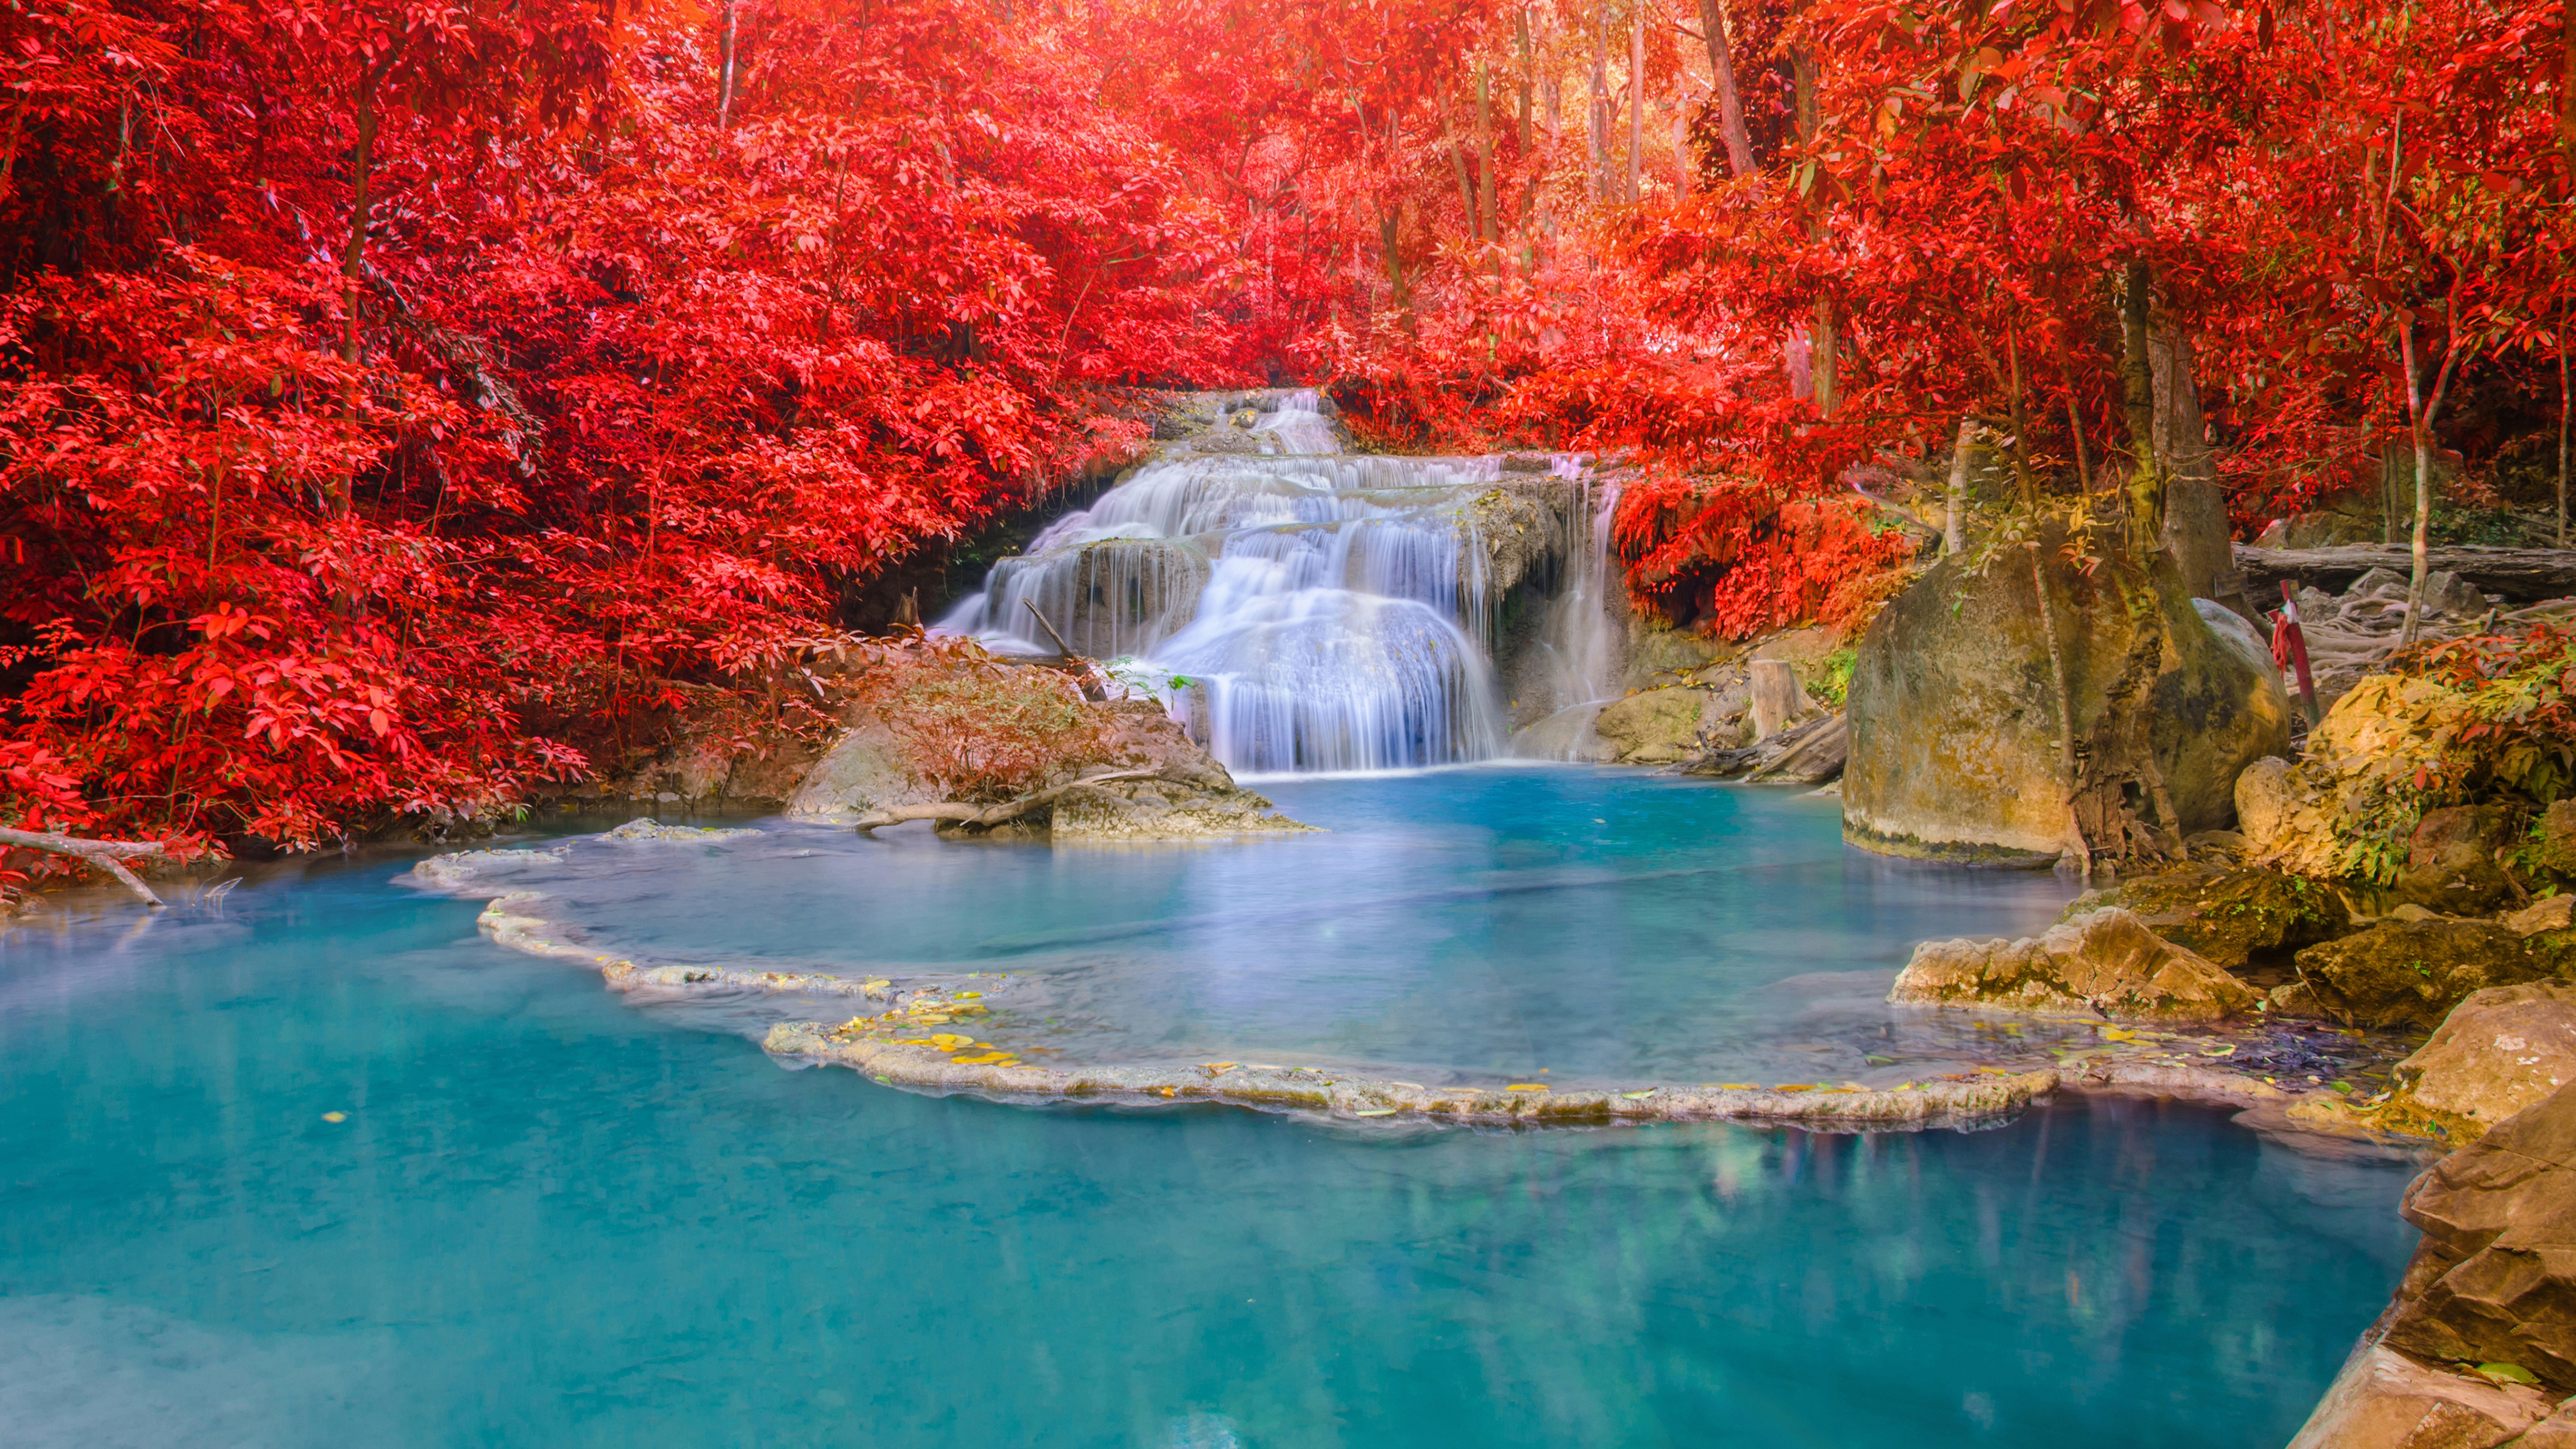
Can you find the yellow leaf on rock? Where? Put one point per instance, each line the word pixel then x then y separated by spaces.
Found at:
pixel 2113 1033
pixel 1526 1087
pixel 949 1041
pixel 968 995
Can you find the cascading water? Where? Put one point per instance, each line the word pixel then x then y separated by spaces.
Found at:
pixel 1314 610
pixel 1579 657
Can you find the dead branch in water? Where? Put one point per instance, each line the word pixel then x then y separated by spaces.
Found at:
pixel 107 855
pixel 985 817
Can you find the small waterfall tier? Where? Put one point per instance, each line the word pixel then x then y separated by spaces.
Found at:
pixel 1300 608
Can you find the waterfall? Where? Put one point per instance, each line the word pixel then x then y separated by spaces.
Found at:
pixel 1298 607
pixel 1580 656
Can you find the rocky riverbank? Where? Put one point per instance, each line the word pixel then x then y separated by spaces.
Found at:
pixel 2477 1348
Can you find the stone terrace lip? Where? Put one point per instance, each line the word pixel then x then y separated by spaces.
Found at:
pixel 1982 1096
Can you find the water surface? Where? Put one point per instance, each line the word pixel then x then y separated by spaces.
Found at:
pixel 550 1218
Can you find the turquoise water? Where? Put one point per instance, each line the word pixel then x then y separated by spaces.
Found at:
pixel 551 1218
pixel 1502 923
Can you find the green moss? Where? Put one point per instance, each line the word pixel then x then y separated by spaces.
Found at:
pixel 1832 681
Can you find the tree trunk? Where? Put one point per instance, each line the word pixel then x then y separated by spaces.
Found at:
pixel 1521 37
pixel 1466 185
pixel 2138 401
pixel 1809 117
pixel 2196 529
pixel 2415 431
pixel 1730 102
pixel 1636 99
pixel 2422 410
pixel 724 69
pixel 1954 522
pixel 2562 410
pixel 1601 105
pixel 1492 228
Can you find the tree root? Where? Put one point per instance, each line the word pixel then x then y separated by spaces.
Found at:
pixel 985 817
pixel 108 855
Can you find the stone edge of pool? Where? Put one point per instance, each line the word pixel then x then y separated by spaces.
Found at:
pixel 1982 1096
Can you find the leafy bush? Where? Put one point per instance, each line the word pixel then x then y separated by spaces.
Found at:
pixel 982 730
pixel 2485 720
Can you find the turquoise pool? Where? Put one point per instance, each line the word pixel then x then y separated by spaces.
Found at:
pixel 552 1218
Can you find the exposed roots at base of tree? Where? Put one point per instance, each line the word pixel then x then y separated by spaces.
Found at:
pixel 2118 784
pixel 962 816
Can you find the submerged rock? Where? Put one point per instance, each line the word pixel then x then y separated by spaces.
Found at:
pixel 2502 1050
pixel 963 1064
pixel 2104 963
pixel 2402 973
pixel 2230 916
pixel 1955 716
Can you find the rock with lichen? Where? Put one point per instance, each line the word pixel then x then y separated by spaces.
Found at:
pixel 2104 963
pixel 2500 1051
pixel 2234 917
pixel 2410 973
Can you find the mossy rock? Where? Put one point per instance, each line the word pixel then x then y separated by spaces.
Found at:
pixel 2234 917
pixel 2411 973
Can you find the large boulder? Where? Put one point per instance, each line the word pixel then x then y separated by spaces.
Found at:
pixel 2105 963
pixel 2451 862
pixel 864 770
pixel 2402 973
pixel 1655 727
pixel 2502 1050
pixel 1954 708
pixel 2494 1281
pixel 2232 916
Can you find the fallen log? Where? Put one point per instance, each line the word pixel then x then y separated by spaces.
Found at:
pixel 1809 753
pixel 108 855
pixel 985 817
pixel 2524 575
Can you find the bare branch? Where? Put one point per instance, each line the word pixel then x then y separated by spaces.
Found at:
pixel 108 855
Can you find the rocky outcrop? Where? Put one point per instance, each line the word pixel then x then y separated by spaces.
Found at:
pixel 2385 1400
pixel 2479 1344
pixel 1954 711
pixel 2233 916
pixel 2105 963
pixel 2410 973
pixel 2495 1278
pixel 2503 1050
pixel 1133 775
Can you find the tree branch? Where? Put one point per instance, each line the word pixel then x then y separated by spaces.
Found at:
pixel 107 855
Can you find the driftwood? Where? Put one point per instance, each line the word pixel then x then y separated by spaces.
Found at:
pixel 1813 759
pixel 1810 753
pixel 107 855
pixel 985 817
pixel 2520 574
